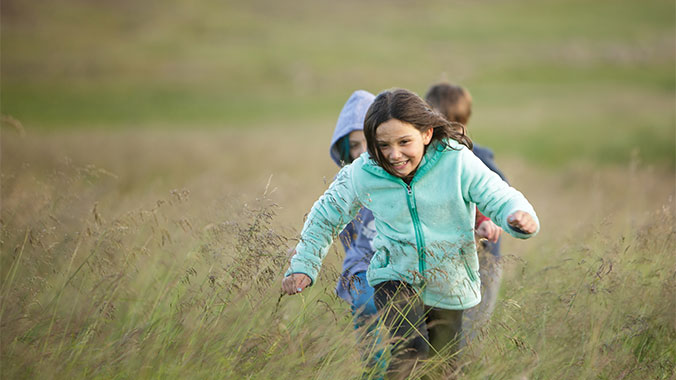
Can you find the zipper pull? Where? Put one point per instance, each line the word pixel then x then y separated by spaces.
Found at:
pixel 410 195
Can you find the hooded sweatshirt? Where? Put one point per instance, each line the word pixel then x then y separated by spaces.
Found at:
pixel 424 230
pixel 357 237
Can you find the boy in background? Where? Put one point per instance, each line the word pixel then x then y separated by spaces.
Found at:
pixel 455 104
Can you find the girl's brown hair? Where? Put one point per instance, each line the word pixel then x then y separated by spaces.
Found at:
pixel 408 107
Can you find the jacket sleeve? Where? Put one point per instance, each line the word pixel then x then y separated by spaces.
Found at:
pixel 493 196
pixel 486 156
pixel 327 218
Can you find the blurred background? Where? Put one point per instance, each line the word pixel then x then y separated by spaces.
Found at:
pixel 552 81
pixel 158 158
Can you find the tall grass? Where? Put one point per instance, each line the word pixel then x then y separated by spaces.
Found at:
pixel 603 307
pixel 104 279
pixel 153 293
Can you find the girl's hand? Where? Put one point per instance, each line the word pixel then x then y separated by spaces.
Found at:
pixel 295 283
pixel 489 230
pixel 523 221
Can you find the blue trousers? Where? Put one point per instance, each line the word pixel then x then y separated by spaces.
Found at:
pixel 363 306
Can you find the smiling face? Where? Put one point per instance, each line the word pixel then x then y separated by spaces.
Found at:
pixel 402 145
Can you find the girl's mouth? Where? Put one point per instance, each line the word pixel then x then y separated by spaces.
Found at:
pixel 399 165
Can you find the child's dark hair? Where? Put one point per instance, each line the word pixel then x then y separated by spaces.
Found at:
pixel 408 107
pixel 454 102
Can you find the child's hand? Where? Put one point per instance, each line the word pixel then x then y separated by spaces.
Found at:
pixel 523 221
pixel 295 283
pixel 489 230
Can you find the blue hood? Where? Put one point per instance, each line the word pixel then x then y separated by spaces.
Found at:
pixel 351 118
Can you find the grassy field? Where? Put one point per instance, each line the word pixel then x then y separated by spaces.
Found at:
pixel 158 159
pixel 167 264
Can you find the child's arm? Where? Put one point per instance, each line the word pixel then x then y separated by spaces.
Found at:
pixel 505 206
pixel 328 216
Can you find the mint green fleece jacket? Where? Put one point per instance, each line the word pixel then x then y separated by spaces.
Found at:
pixel 425 229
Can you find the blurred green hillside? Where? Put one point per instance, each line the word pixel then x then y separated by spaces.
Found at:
pixel 550 79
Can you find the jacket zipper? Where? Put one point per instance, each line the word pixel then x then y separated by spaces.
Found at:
pixel 419 238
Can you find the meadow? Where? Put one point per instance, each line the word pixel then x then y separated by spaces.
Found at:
pixel 158 159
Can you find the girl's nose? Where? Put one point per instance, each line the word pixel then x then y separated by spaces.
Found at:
pixel 394 154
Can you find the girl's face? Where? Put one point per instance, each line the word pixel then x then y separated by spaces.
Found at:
pixel 402 145
pixel 357 144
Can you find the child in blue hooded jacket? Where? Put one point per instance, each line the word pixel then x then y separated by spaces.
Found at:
pixel 422 184
pixel 348 143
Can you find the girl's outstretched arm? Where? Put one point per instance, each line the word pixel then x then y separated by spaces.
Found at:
pixel 327 218
pixel 506 206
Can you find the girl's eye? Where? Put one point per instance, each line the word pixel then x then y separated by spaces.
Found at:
pixel 403 142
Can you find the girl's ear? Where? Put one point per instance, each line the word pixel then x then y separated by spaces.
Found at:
pixel 427 136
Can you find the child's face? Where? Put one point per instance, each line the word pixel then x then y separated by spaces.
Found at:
pixel 402 145
pixel 357 144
